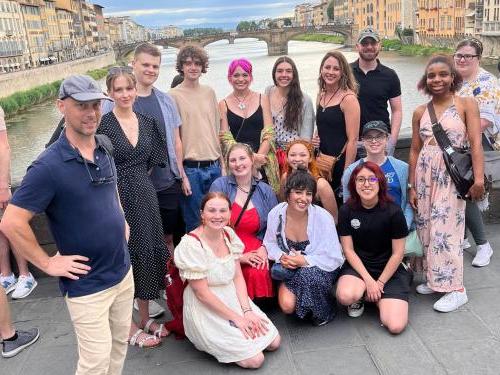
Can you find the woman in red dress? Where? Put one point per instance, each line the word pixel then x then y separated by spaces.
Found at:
pixel 250 226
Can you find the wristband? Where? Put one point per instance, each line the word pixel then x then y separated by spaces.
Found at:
pixel 380 281
pixel 246 309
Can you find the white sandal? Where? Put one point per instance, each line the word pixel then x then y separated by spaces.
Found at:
pixel 135 341
pixel 158 332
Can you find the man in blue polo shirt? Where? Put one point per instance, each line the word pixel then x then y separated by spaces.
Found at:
pixel 74 183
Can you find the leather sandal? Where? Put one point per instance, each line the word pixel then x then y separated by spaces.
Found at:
pixel 160 332
pixel 137 340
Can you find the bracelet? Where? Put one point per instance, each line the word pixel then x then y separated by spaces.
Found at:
pixel 246 309
pixel 9 186
pixel 380 281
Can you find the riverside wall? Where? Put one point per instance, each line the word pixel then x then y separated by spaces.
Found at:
pixel 11 83
pixel 41 228
pixel 491 44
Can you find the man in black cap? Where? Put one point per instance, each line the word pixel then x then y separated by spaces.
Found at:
pixel 74 182
pixel 378 85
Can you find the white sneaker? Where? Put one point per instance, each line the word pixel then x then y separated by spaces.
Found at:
pixel 356 309
pixel 483 255
pixel 451 301
pixel 8 283
pixel 25 285
pixel 424 289
pixel 155 310
pixel 466 244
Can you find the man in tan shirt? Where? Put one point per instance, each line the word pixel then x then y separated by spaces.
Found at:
pixel 197 105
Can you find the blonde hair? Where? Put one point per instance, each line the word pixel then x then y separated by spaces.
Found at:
pixel 347 80
pixel 239 146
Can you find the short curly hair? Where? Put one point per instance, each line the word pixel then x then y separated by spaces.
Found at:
pixel 193 52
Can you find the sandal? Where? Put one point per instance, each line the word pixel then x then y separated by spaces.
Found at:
pixel 139 338
pixel 160 332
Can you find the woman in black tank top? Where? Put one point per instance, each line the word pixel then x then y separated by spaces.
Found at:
pixel 337 115
pixel 246 118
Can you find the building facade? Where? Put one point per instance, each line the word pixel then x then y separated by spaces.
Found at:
pixel 14 53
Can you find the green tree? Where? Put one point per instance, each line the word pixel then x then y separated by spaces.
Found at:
pixel 287 22
pixel 243 26
pixel 272 25
pixel 330 10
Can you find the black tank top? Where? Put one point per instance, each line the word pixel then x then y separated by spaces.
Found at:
pixel 331 129
pixel 246 130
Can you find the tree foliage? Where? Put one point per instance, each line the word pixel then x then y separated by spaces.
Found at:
pixel 202 31
pixel 247 26
pixel 287 22
pixel 330 11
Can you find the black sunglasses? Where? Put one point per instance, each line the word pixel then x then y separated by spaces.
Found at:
pixel 101 180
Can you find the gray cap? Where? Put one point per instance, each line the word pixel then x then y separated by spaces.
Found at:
pixel 81 88
pixel 368 33
pixel 375 125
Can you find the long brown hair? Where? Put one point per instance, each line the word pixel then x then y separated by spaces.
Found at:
pixel 347 80
pixel 294 98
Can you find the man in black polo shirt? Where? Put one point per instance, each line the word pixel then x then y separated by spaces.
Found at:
pixel 378 85
pixel 74 182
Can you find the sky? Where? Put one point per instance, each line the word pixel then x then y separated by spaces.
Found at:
pixel 197 13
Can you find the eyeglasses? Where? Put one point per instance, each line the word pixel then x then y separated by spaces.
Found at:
pixel 377 138
pixel 115 70
pixel 459 57
pixel 101 180
pixel 372 180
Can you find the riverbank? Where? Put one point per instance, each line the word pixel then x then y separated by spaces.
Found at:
pixel 19 101
pixel 412 49
pixel 323 38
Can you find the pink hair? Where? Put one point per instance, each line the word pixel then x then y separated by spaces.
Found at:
pixel 243 64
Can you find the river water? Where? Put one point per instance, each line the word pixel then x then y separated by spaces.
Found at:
pixel 30 131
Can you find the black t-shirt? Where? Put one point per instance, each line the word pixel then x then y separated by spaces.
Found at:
pixel 375 89
pixel 372 231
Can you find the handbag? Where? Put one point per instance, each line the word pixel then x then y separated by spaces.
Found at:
pixel 326 163
pixel 413 246
pixel 458 161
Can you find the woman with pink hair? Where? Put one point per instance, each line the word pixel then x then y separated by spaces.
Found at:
pixel 246 118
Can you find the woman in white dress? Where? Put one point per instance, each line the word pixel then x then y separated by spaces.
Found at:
pixel 219 318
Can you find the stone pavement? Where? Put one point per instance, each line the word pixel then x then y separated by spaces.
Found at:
pixel 463 342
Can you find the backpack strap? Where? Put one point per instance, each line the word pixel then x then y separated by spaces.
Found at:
pixel 105 142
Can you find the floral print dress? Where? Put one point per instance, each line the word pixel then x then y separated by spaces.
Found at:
pixel 441 215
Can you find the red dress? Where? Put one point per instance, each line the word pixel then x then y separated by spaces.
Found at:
pixel 259 283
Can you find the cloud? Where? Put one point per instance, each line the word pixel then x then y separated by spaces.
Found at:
pixel 180 11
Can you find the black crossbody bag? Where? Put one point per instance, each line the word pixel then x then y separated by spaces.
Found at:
pixel 458 161
pixel 243 209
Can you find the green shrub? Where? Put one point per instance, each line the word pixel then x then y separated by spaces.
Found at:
pixel 336 39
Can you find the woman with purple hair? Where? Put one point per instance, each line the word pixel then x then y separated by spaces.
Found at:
pixel 246 118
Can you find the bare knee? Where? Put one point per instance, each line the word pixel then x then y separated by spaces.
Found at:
pixel 255 362
pixel 396 327
pixel 346 296
pixel 286 300
pixel 275 344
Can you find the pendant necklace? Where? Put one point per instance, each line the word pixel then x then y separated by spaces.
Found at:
pixel 241 102
pixel 243 190
pixel 329 100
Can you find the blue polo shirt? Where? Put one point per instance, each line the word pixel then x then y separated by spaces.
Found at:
pixel 85 217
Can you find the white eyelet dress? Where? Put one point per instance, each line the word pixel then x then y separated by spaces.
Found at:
pixel 208 331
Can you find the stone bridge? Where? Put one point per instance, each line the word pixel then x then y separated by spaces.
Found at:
pixel 276 39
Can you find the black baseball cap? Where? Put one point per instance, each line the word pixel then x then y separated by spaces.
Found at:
pixel 376 125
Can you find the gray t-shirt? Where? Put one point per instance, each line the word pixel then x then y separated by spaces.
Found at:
pixel 162 177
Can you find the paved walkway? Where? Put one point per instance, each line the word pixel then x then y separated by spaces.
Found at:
pixel 464 342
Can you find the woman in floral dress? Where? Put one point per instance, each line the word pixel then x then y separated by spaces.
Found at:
pixel 440 213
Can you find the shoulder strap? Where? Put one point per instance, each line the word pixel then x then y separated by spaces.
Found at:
pixel 226 234
pixel 105 142
pixel 260 99
pixel 437 129
pixel 226 104
pixel 243 209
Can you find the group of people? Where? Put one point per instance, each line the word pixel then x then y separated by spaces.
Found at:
pixel 262 218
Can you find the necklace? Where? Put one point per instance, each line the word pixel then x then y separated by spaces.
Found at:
pixel 241 102
pixel 329 100
pixel 243 190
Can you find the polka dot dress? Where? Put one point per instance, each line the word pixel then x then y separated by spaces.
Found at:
pixel 148 252
pixel 312 287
